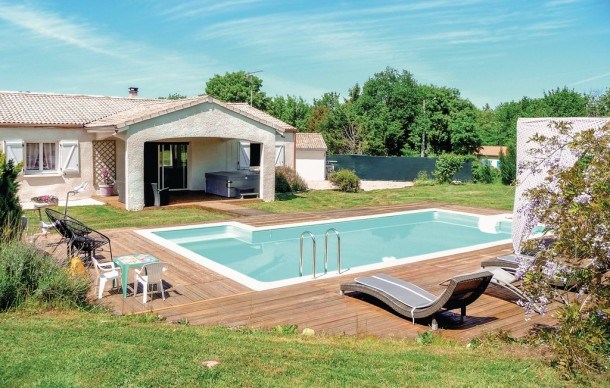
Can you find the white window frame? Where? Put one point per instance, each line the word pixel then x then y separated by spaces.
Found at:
pixel 40 170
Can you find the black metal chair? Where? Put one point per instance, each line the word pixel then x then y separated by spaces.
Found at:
pixel 80 238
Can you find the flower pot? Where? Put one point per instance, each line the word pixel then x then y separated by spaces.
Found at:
pixel 106 190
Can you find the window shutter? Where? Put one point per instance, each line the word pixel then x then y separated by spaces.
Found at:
pixel 69 156
pixel 280 157
pixel 14 150
pixel 244 155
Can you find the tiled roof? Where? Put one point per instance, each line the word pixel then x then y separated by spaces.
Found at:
pixel 62 109
pixel 66 110
pixel 310 141
pixel 492 150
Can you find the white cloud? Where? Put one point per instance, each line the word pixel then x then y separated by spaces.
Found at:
pixel 586 80
pixel 49 25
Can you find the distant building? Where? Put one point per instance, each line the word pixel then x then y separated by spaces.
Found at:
pixel 491 155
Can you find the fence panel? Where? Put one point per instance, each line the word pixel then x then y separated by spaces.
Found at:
pixel 392 168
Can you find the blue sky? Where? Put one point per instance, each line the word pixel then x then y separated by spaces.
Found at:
pixel 492 51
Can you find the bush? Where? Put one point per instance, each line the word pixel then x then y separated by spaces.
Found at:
pixel 288 181
pixel 345 180
pixel 423 179
pixel 508 166
pixel 447 165
pixel 483 173
pixel 27 275
pixel 573 203
pixel 10 209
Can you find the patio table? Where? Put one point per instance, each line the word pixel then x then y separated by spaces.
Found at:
pixel 132 261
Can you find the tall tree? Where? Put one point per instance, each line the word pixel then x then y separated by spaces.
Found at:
pixel 389 103
pixel 291 109
pixel 237 87
pixel 465 138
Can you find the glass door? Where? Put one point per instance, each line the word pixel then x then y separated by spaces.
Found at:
pixel 172 161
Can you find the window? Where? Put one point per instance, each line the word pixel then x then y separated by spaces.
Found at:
pixel 40 158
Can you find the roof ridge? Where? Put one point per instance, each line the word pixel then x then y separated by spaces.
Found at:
pixel 83 95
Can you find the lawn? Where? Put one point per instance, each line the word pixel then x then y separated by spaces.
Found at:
pixel 105 217
pixel 495 196
pixel 96 349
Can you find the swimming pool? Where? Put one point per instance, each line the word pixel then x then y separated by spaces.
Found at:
pixel 268 257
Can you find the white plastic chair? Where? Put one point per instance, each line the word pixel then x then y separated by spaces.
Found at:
pixel 149 275
pixel 105 272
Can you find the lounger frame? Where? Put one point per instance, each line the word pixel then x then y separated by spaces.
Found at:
pixel 460 292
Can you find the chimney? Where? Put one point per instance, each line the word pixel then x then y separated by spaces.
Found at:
pixel 133 92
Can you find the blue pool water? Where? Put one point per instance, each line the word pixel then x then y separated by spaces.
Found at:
pixel 262 257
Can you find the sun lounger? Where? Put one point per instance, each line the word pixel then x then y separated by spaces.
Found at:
pixel 509 262
pixel 414 302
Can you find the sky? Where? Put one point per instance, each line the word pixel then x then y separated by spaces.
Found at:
pixel 492 51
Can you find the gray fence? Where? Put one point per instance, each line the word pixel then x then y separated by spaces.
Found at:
pixel 392 168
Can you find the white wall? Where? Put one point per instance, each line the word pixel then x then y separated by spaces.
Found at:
pixel 54 184
pixel 208 155
pixel 207 121
pixel 311 164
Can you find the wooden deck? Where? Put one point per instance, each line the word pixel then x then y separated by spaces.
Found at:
pixel 203 297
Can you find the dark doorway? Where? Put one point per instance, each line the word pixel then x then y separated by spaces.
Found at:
pixel 165 165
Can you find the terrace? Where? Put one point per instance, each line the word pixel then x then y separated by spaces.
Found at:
pixel 203 297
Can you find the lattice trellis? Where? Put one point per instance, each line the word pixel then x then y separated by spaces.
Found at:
pixel 104 155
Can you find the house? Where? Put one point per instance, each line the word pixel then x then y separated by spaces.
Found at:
pixel 310 156
pixel 491 155
pixel 65 140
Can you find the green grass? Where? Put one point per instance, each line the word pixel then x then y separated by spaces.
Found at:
pixel 106 217
pixel 95 349
pixel 494 196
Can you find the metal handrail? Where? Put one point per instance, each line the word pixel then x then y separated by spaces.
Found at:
pixel 308 233
pixel 338 250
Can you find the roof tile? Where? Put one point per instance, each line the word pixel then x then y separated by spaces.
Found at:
pixel 310 141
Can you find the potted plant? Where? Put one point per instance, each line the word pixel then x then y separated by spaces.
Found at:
pixel 107 183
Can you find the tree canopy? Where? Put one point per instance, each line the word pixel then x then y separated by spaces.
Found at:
pixel 392 114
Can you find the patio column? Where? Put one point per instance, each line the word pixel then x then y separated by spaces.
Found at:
pixel 134 174
pixel 267 174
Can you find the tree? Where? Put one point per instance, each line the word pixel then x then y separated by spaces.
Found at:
pixel 573 204
pixel 508 165
pixel 465 138
pixel 564 103
pixel 389 103
pixel 490 130
pixel 347 129
pixel 173 96
pixel 290 109
pixel 237 87
pixel 598 104
pixel 10 209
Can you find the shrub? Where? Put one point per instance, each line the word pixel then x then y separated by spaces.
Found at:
pixel 508 166
pixel 573 203
pixel 483 173
pixel 10 209
pixel 423 179
pixel 288 181
pixel 345 180
pixel 447 165
pixel 27 275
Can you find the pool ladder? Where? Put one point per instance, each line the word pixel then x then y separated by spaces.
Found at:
pixel 313 239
